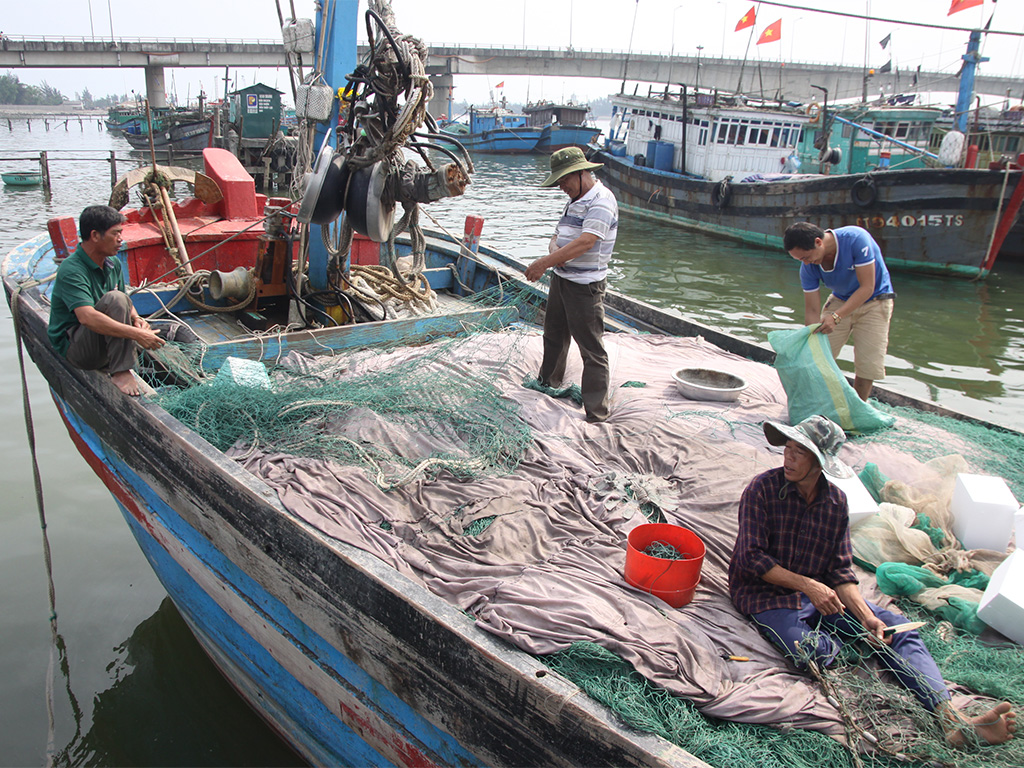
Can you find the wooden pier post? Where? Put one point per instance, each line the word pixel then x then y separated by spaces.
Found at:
pixel 113 169
pixel 44 170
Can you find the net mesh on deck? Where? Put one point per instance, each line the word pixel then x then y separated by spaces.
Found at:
pixel 397 414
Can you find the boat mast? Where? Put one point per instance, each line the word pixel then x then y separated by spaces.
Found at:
pixel 963 100
pixel 336 22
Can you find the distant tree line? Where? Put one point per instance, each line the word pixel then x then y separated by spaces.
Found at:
pixel 13 91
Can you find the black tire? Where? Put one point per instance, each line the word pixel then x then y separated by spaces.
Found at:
pixel 864 193
pixel 721 193
pixel 639 161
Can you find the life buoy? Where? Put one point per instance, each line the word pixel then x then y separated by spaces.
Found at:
pixel 721 193
pixel 864 193
pixel 813 112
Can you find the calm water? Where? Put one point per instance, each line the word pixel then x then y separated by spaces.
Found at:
pixel 137 690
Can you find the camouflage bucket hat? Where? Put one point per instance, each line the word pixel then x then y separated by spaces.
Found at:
pixel 817 434
pixel 566 161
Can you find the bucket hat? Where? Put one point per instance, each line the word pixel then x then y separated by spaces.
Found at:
pixel 566 161
pixel 819 435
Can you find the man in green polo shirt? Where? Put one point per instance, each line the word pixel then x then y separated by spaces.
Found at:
pixel 93 322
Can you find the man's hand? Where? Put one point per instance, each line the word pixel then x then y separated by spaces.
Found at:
pixel 146 337
pixel 876 629
pixel 827 325
pixel 536 269
pixel 823 597
pixel 140 322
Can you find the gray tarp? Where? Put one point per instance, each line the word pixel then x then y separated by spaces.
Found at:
pixel 548 571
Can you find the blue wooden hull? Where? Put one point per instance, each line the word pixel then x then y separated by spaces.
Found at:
pixel 557 136
pixel 271 655
pixel 502 141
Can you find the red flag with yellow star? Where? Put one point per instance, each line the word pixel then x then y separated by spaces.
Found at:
pixel 747 21
pixel 963 5
pixel 771 33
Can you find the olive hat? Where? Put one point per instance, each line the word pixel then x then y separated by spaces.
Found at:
pixel 819 435
pixel 566 161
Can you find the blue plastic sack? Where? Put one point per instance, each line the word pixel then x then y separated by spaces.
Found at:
pixel 815 386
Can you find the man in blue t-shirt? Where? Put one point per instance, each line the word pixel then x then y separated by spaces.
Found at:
pixel 850 264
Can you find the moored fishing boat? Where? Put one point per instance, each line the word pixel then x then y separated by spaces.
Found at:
pixel 178 134
pixel 728 166
pixel 495 130
pixel 563 125
pixel 22 178
pixel 413 607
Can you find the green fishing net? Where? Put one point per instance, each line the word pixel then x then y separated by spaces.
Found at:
pixel 398 415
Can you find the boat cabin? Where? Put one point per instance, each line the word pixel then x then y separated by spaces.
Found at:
pixel 481 120
pixel 720 139
pixel 545 113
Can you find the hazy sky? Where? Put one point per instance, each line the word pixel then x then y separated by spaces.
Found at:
pixel 660 26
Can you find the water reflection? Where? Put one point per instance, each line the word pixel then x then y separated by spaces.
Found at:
pixel 167 705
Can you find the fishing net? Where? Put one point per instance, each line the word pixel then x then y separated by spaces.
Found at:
pixel 888 725
pixel 400 414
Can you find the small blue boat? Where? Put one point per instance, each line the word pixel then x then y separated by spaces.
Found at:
pixel 495 130
pixel 562 125
pixel 22 178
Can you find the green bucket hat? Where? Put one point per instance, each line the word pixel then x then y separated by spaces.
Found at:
pixel 819 435
pixel 566 161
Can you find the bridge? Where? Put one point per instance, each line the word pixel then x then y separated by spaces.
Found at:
pixel 791 80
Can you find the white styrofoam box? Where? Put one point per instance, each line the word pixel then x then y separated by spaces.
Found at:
pixel 862 504
pixel 983 509
pixel 1002 605
pixel 247 373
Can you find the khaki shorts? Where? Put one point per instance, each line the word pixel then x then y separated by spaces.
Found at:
pixel 868 325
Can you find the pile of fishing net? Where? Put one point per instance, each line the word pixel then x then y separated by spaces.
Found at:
pixel 399 414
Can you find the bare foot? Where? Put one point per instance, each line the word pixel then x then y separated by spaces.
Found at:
pixel 126 382
pixel 993 727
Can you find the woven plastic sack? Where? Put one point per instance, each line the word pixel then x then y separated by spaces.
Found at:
pixel 815 386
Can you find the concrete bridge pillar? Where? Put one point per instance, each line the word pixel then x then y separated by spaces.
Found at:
pixel 155 90
pixel 440 104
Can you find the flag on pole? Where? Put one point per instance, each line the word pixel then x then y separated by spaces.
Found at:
pixel 963 5
pixel 771 33
pixel 887 67
pixel 885 41
pixel 747 21
pixel 500 85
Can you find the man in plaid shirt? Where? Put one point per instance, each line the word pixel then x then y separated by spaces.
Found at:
pixel 792 573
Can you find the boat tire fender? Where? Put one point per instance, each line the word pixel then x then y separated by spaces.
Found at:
pixel 721 192
pixel 813 112
pixel 864 192
pixel 640 161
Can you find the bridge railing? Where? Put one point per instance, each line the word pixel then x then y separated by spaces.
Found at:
pixel 153 40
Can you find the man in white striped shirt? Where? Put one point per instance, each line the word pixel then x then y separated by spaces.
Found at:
pixel 578 255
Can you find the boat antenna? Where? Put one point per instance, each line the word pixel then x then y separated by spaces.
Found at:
pixel 625 64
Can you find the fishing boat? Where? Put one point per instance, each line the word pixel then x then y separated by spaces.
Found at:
pixel 733 172
pixel 22 178
pixel 178 133
pixel 495 130
pixel 393 548
pixel 728 174
pixel 563 125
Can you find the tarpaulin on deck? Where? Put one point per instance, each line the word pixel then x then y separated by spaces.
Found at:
pixel 548 571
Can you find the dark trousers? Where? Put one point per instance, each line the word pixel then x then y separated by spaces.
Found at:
pixel 907 658
pixel 576 313
pixel 93 351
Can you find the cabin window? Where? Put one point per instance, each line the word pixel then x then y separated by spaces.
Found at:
pixel 847 130
pixel 735 135
pixel 758 135
pixel 1012 142
pixel 703 136
pixel 983 142
pixel 776 136
pixel 901 130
